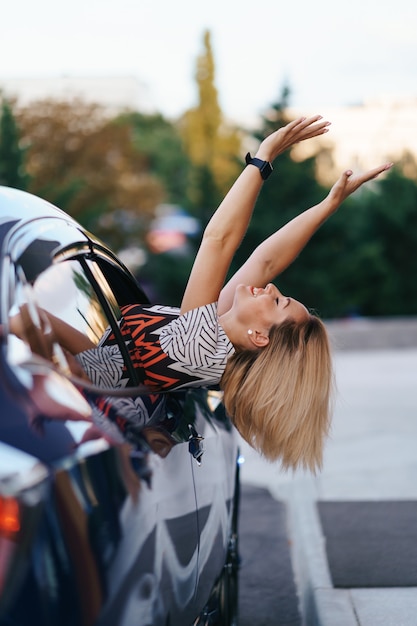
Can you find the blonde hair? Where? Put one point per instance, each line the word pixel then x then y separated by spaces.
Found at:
pixel 280 397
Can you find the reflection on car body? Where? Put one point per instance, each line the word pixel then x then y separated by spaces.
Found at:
pixel 116 507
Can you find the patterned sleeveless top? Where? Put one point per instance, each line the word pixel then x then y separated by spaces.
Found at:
pixel 169 350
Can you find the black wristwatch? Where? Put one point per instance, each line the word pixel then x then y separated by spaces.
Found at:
pixel 264 166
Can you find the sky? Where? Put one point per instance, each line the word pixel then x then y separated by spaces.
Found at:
pixel 330 53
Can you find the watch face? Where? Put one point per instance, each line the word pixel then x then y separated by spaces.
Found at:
pixel 265 169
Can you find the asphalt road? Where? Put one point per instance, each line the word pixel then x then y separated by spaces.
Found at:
pixel 267 592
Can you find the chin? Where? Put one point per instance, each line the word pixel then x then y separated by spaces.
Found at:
pixel 240 288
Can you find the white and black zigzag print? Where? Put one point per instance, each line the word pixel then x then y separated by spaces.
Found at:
pixel 103 366
pixel 197 345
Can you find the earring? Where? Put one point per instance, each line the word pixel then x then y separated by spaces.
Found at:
pixel 250 332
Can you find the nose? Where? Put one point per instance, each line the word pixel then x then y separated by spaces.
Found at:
pixel 271 290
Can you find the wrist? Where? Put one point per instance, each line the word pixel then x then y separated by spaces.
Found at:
pixel 264 166
pixel 264 154
pixel 330 206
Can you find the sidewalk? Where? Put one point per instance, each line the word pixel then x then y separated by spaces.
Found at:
pixel 372 456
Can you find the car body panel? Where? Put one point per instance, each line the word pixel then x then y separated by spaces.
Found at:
pixel 115 525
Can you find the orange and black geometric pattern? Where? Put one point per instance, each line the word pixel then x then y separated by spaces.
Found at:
pixel 139 327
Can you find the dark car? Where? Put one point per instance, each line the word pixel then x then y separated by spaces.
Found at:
pixel 117 508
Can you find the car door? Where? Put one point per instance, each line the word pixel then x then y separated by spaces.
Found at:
pixel 217 492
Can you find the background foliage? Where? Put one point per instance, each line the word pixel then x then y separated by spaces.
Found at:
pixel 113 172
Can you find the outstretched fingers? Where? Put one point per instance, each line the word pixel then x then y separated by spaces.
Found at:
pixel 374 172
pixel 307 127
pixel 315 130
pixel 348 184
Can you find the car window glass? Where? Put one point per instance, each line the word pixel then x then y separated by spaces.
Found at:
pixel 66 292
pixel 58 315
pixel 74 317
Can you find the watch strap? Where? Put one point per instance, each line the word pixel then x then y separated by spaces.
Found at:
pixel 264 167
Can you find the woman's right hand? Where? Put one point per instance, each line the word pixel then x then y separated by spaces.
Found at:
pixel 294 132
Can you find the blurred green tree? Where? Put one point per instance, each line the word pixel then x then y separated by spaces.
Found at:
pixel 391 232
pixel 12 154
pixel 159 141
pixel 368 257
pixel 87 164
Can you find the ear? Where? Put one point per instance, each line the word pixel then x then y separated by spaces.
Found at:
pixel 259 339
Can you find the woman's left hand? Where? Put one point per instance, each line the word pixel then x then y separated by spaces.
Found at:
pixel 294 132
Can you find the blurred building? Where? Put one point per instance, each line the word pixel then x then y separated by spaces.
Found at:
pixel 364 136
pixel 114 93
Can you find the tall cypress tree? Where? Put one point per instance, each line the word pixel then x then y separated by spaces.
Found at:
pixel 12 155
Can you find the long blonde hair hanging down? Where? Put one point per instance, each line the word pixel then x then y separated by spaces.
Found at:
pixel 280 397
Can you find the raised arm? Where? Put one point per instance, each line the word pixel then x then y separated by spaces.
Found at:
pixel 277 252
pixel 229 223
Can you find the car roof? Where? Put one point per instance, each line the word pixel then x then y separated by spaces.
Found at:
pixel 17 205
pixel 33 226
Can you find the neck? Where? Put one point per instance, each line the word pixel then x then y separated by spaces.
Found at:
pixel 232 329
